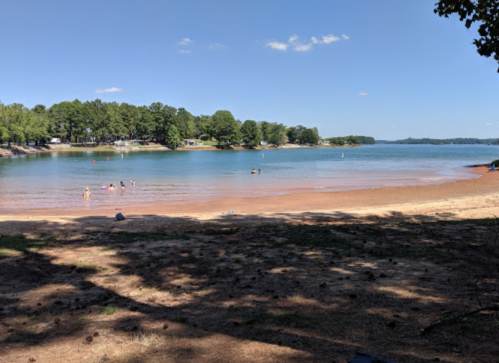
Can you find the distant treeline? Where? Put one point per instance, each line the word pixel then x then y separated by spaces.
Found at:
pixel 429 141
pixel 352 140
pixel 105 122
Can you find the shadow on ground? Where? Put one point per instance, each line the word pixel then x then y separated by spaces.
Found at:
pixel 309 287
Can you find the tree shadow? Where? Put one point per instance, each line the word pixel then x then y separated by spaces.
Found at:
pixel 303 287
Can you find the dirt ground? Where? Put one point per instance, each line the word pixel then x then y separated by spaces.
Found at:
pixel 313 288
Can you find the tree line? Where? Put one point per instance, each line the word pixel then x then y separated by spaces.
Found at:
pixel 106 122
pixel 351 140
pixel 428 141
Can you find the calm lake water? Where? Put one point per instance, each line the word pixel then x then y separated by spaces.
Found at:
pixel 57 180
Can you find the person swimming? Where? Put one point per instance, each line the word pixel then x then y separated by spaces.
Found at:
pixel 86 193
pixel 253 171
pixel 259 171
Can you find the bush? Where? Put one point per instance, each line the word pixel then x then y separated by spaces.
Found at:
pixel 495 163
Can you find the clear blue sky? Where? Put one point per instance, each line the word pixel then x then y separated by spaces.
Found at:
pixel 389 69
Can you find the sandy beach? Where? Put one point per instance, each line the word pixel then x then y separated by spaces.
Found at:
pixel 408 273
pixel 474 198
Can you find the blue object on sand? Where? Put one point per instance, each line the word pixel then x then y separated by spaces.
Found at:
pixel 120 217
pixel 367 358
pixel 493 167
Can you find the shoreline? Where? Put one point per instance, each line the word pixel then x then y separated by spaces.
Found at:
pixel 463 195
pixel 21 150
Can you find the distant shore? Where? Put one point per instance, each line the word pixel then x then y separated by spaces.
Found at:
pixel 22 150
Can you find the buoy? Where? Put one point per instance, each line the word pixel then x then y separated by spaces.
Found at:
pixel 93 161
pixel 342 155
pixel 122 156
pixel 107 158
pixel 263 155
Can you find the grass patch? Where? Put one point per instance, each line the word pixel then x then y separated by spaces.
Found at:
pixel 86 264
pixel 16 244
pixel 109 310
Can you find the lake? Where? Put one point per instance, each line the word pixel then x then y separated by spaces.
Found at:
pixel 57 180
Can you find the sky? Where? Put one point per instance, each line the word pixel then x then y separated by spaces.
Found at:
pixel 389 69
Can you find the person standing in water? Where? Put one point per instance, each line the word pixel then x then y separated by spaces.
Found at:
pixel 122 185
pixel 86 193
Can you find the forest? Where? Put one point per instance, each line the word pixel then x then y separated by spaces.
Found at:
pixel 105 122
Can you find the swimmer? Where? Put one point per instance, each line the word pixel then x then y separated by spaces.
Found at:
pixel 133 182
pixel 111 186
pixel 253 171
pixel 259 171
pixel 86 193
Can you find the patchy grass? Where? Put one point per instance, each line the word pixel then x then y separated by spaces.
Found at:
pixel 16 244
pixel 109 310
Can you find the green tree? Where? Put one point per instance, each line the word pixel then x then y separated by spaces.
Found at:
pixel 162 117
pixel 292 134
pixel 485 13
pixel 173 137
pixel 250 133
pixel 277 134
pixel 146 125
pixel 40 109
pixel 265 128
pixel 224 128
pixel 336 141
pixel 114 122
pixel 310 136
pixel 130 115
pixel 353 140
pixel 201 125
pixel 37 128
pixel 184 122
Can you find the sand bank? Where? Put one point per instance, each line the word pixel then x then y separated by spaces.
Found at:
pixel 475 198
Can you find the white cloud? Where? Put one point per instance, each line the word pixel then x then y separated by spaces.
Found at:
pixel 109 90
pixel 330 38
pixel 183 51
pixel 217 46
pixel 326 39
pixel 487 124
pixel 185 41
pixel 363 93
pixel 302 47
pixel 277 45
pixel 299 47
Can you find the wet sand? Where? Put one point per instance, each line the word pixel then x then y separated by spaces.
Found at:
pixel 475 198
